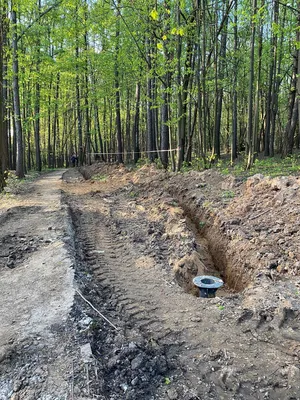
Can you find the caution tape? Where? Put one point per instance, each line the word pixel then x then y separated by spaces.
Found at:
pixel 135 152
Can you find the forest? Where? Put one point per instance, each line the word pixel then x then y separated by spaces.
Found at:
pixel 178 82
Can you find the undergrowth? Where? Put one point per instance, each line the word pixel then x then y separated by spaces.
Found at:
pixel 14 184
pixel 271 166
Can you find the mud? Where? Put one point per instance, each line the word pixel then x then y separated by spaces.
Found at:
pixel 137 329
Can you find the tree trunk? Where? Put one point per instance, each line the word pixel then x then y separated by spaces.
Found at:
pixel 2 127
pixel 38 163
pixel 180 127
pixel 150 115
pixel 16 97
pixel 235 95
pixel 200 78
pixel 289 133
pixel 4 154
pixel 219 92
pixel 250 94
pixel 78 105
pixel 136 125
pixel 117 87
pixel 255 142
pixel 55 125
pixel 98 132
pixel 298 67
pixel 271 98
pixel 128 126
pixel 164 141
pixel 86 94
pixel 49 154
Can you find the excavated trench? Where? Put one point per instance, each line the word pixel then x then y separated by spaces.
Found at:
pixel 211 255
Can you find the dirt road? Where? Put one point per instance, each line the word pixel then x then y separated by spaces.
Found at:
pixel 135 329
pixel 36 289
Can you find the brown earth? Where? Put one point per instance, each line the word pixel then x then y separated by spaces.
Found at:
pixel 135 328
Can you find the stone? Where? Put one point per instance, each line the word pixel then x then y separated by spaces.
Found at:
pixel 137 362
pixel 134 381
pixel 85 322
pixel 112 362
pixel 161 365
pixel 17 386
pixel 86 353
pixel 172 394
pixel 293 376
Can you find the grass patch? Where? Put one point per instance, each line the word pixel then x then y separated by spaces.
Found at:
pixel 99 178
pixel 228 194
pixel 269 166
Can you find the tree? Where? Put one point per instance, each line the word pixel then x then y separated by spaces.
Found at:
pixel 250 140
pixel 16 96
pixel 2 98
pixel 117 87
pixel 92 76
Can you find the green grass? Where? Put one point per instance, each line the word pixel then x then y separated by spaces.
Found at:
pixel 269 166
pixel 228 194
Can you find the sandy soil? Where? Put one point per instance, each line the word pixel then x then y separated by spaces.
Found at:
pixel 114 314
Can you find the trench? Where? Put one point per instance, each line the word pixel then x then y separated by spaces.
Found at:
pixel 203 250
pixel 211 256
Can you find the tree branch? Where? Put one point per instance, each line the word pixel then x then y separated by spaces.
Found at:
pixel 287 6
pixel 226 15
pixel 38 18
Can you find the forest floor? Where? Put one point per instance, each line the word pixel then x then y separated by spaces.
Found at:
pixel 96 292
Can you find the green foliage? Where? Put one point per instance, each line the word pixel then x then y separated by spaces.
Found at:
pixel 158 163
pixel 133 194
pixel 99 178
pixel 155 41
pixel 228 194
pixel 197 164
pixel 13 184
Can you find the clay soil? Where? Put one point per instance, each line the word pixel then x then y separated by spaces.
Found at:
pixel 97 299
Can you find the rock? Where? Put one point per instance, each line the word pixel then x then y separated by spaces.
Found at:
pixel 137 362
pixel 294 376
pixel 172 394
pixel 254 180
pixel 10 264
pixel 85 322
pixel 161 365
pixel 86 353
pixel 17 386
pixel 235 221
pixel 124 387
pixel 4 352
pixel 134 381
pixel 112 362
pixel 132 346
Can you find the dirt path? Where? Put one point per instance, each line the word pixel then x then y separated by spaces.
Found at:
pixel 36 289
pixel 97 300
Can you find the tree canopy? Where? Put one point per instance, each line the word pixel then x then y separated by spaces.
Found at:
pixel 178 81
